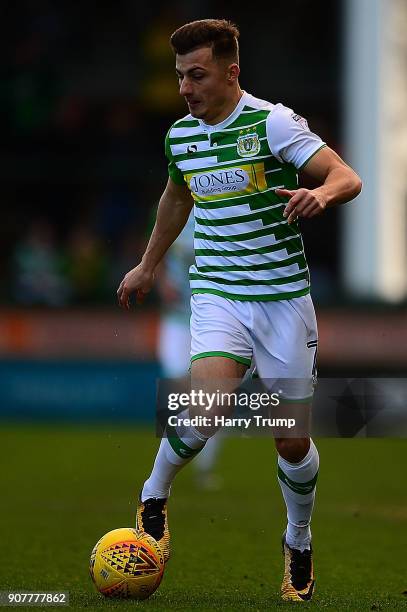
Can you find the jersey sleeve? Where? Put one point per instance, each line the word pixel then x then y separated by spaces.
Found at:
pixel 173 171
pixel 289 137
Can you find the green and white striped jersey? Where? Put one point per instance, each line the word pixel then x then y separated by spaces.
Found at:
pixel 244 247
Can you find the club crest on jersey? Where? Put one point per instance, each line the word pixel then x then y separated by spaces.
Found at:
pixel 248 145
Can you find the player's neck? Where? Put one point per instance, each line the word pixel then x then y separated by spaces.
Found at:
pixel 227 109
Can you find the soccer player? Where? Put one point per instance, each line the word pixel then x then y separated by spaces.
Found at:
pixel 236 159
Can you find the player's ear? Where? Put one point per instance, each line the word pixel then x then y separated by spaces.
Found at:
pixel 233 72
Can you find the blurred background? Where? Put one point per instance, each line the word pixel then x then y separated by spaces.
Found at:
pixel 88 93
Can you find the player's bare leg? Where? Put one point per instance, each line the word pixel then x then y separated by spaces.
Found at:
pixel 215 374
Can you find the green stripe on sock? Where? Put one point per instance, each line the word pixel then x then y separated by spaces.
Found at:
pixel 303 488
pixel 179 447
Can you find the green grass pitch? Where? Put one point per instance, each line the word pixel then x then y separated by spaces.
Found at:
pixel 64 487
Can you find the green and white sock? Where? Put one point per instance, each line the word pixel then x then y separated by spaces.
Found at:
pixel 176 449
pixel 298 485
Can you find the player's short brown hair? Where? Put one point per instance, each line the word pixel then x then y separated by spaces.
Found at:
pixel 219 34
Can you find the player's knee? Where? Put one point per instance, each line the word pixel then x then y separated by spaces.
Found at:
pixel 292 449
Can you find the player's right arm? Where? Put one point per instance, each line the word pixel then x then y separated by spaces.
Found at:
pixel 172 214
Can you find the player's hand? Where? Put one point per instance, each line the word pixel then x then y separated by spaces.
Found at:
pixel 302 203
pixel 138 281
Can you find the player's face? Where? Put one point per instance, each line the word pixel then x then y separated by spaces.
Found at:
pixel 204 82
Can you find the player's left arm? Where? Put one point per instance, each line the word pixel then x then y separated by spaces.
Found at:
pixel 339 184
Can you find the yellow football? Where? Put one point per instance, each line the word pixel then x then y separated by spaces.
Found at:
pixel 126 563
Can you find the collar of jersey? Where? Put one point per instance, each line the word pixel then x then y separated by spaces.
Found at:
pixel 229 119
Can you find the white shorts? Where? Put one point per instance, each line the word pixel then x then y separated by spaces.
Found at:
pixel 278 337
